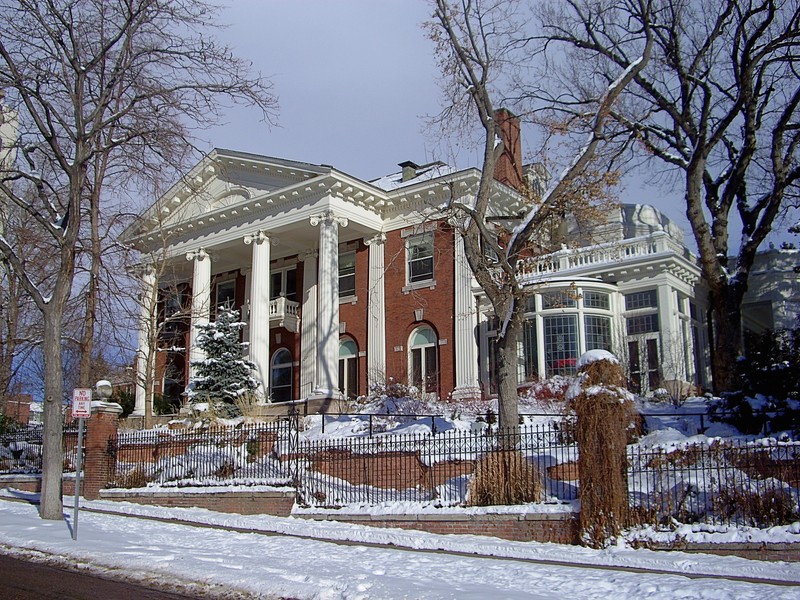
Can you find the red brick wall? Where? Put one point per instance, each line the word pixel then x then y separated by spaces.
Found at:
pixel 278 503
pixel 99 465
pixel 18 407
pixel 438 304
pixel 355 316
pixel 556 528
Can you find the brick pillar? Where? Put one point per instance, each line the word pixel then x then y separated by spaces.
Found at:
pixel 101 436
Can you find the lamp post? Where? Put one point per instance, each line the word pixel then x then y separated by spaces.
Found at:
pixel 103 389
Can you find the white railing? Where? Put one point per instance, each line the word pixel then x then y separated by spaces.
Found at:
pixel 607 253
pixel 284 313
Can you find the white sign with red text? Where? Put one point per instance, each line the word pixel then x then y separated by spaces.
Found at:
pixel 81 403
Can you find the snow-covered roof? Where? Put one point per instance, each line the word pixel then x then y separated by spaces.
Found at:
pixel 424 173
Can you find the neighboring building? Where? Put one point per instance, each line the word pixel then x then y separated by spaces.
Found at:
pixel 345 283
pixel 18 408
pixel 772 301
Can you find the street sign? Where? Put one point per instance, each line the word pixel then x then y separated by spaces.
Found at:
pixel 81 403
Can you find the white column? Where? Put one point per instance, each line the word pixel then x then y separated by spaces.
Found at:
pixel 484 349
pixel 259 309
pixel 145 355
pixel 376 323
pixel 201 304
pixel 328 310
pixel 672 350
pixel 308 325
pixel 466 323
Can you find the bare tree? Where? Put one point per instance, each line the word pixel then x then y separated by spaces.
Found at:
pixel 92 78
pixel 717 108
pixel 476 44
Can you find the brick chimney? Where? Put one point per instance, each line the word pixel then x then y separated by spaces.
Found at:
pixel 409 169
pixel 508 169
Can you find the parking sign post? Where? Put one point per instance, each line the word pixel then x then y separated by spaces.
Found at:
pixel 81 409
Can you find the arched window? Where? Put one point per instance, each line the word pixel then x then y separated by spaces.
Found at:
pixel 348 368
pixel 280 387
pixel 424 360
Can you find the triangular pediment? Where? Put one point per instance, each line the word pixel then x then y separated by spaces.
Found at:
pixel 222 180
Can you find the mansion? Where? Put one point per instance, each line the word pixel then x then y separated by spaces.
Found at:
pixel 344 283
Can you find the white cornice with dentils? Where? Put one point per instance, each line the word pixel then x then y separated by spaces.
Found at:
pixel 361 201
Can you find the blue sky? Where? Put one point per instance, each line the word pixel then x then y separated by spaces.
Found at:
pixel 355 81
pixel 354 78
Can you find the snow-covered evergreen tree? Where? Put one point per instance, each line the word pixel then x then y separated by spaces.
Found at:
pixel 224 375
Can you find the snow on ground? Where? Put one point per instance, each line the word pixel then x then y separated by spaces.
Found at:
pixel 271 566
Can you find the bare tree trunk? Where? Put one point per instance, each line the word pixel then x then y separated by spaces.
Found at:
pixel 50 506
pixel 10 313
pixel 508 396
pixel 727 337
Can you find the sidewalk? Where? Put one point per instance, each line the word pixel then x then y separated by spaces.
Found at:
pixel 301 558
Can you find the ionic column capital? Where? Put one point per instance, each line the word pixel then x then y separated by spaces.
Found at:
pixel 328 217
pixel 308 255
pixel 378 238
pixel 199 254
pixel 260 237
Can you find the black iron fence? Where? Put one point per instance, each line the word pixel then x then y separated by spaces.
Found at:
pixel 746 483
pixel 751 483
pixel 423 467
pixel 243 455
pixel 21 450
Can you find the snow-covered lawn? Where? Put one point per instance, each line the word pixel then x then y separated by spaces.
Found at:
pixel 303 565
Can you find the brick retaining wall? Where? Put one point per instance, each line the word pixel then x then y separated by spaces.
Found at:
pixel 560 528
pixel 275 502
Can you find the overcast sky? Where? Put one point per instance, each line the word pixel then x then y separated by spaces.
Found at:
pixel 355 80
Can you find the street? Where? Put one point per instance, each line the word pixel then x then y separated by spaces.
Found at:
pixel 23 580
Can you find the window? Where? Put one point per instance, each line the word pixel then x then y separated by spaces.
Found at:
pixel 172 316
pixel 529 351
pixel 424 362
pixel 598 300
pixel 598 332
pixel 347 274
pixel 348 368
pixel 283 283
pixel 226 294
pixel 644 354
pixel 646 299
pixel 642 324
pixel 173 385
pixel 281 376
pixel 419 254
pixel 561 344
pixel 560 299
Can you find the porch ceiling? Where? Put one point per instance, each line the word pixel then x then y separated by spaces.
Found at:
pixel 289 241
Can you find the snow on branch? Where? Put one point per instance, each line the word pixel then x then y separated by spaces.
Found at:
pixel 522 231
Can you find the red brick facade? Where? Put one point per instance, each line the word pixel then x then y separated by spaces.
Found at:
pixel 436 301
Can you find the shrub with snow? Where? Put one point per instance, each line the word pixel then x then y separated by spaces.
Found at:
pixel 224 375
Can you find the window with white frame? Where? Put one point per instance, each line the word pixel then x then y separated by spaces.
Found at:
pixel 281 376
pixel 419 257
pixel 348 368
pixel 225 296
pixel 598 332
pixel 644 308
pixel 347 274
pixel 561 344
pixel 599 300
pixel 645 299
pixel 283 283
pixel 423 359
